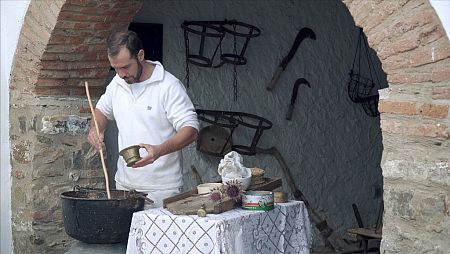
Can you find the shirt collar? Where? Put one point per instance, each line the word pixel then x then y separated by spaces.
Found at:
pixel 157 75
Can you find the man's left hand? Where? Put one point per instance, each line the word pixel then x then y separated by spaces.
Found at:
pixel 152 155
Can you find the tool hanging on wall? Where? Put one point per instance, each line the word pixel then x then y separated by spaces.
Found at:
pixel 211 35
pixel 297 84
pixel 361 89
pixel 301 35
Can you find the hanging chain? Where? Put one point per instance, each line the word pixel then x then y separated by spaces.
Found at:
pixel 186 42
pixel 235 82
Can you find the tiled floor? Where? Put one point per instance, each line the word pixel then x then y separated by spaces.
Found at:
pixel 85 248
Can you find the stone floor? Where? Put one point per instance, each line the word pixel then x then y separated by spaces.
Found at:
pixel 85 248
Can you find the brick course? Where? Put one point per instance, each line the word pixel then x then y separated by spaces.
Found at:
pixel 75 48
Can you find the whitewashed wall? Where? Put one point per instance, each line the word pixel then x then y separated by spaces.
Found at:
pixel 331 146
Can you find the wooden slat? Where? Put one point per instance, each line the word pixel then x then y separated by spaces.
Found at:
pixel 180 196
pixel 271 184
pixel 191 205
pixel 365 232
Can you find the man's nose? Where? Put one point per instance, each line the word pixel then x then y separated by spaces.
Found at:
pixel 121 73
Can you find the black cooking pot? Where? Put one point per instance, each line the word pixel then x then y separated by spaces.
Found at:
pixel 89 216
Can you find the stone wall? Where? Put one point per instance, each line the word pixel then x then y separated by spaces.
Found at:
pixel 59 47
pixel 411 43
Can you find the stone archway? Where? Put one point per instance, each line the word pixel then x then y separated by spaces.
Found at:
pixel 415 53
pixel 61 45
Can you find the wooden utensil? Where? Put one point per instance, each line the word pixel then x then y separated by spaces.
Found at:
pixel 105 172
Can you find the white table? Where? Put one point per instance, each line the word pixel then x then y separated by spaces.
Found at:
pixel 286 229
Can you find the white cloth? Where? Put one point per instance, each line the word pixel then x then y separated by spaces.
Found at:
pixel 150 113
pixel 231 166
pixel 286 229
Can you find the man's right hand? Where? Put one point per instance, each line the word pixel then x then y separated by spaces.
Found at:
pixel 95 140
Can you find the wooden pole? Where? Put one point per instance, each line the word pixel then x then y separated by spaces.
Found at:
pixel 105 172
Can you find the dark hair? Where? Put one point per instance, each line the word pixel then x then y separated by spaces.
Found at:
pixel 129 39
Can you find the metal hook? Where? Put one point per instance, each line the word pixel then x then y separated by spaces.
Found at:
pixel 298 82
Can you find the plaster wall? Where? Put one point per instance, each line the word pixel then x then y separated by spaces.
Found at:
pixel 331 146
pixel 12 16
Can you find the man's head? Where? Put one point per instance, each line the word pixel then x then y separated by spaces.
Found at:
pixel 126 55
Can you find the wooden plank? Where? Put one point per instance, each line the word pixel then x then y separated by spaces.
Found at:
pixel 180 196
pixel 365 232
pixel 271 183
pixel 190 205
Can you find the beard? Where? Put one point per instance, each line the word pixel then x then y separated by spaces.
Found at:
pixel 135 79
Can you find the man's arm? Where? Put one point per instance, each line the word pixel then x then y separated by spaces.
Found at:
pixel 182 138
pixel 97 140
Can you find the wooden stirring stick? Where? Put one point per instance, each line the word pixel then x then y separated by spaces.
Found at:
pixel 105 172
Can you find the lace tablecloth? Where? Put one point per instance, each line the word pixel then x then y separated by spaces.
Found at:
pixel 286 229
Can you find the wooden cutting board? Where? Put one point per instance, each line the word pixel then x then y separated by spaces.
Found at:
pixel 190 205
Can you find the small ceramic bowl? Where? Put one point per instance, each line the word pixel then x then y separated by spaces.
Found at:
pixel 208 187
pixel 280 196
pixel 131 155
pixel 257 172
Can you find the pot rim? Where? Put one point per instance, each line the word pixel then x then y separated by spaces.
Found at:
pixel 63 195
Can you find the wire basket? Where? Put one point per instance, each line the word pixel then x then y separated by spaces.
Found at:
pixel 359 88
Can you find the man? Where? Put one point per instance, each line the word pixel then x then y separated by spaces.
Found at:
pixel 152 109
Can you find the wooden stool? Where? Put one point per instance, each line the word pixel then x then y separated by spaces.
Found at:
pixel 364 234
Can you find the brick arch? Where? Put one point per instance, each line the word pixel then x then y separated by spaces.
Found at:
pixel 62 45
pixel 64 41
pixel 415 54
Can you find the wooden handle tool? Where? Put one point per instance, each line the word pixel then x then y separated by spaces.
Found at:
pixel 105 172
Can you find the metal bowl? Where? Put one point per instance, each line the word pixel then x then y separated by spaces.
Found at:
pixel 131 155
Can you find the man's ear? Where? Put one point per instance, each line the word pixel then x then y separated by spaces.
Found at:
pixel 141 55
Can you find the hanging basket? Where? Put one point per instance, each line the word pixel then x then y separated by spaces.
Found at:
pixel 210 34
pixel 239 31
pixel 359 87
pixel 209 37
pixel 253 122
pixel 216 138
pixel 226 123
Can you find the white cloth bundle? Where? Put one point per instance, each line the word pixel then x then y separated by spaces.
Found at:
pixel 231 166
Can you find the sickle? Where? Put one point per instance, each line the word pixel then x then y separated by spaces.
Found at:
pixel 298 82
pixel 301 35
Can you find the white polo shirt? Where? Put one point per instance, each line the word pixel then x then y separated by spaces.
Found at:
pixel 149 112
